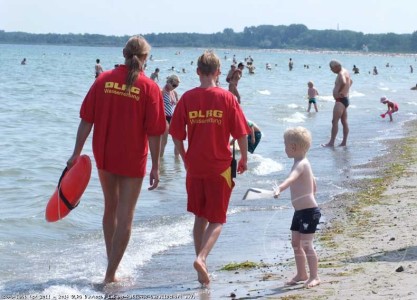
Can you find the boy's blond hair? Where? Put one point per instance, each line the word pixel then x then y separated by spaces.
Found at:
pixel 299 136
pixel 208 63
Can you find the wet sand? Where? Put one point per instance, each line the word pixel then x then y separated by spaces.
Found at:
pixel 367 245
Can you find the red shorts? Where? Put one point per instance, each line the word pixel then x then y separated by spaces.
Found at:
pixel 209 197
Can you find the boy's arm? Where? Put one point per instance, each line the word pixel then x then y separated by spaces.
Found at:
pixel 243 161
pixel 252 134
pixel 295 173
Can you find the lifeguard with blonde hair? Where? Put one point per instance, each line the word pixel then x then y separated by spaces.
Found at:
pixel 126 110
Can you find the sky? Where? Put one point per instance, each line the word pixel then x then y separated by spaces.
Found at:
pixel 129 17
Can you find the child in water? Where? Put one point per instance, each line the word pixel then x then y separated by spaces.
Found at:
pixel 312 94
pixel 392 107
pixel 254 137
pixel 307 214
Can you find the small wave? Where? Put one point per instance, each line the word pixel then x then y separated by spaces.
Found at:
pixel 296 118
pixel 159 60
pixel 326 98
pixel 411 103
pixel 153 238
pixel 293 105
pixel 264 165
pixel 264 92
pixel 384 88
pixel 356 94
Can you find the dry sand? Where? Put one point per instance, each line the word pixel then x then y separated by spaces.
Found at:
pixel 367 246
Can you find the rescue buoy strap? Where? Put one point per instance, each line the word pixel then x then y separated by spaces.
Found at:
pixel 61 194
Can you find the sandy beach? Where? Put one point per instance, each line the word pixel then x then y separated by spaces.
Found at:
pixel 367 244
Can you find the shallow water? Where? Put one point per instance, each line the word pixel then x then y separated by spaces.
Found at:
pixel 39 112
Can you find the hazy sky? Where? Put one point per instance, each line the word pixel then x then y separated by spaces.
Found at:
pixel 128 17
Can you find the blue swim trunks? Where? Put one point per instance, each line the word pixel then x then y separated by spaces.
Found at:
pixel 312 100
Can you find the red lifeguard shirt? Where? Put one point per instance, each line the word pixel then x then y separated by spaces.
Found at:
pixel 208 116
pixel 123 121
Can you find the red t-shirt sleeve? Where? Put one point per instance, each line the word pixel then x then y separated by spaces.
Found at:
pixel 155 123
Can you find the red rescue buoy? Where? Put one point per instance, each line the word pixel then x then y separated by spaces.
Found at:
pixel 71 186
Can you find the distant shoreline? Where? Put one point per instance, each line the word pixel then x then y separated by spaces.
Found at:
pixel 318 51
pixel 292 37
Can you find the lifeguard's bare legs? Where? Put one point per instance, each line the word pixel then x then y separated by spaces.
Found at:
pixel 205 236
pixel 120 197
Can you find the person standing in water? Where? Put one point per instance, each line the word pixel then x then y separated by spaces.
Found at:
pixel 312 94
pixel 341 95
pixel 127 112
pixel 234 79
pixel 98 68
pixel 207 116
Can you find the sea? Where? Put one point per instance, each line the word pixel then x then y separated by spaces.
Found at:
pixel 39 115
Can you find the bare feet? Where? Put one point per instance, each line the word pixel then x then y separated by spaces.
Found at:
pixel 327 145
pixel 312 282
pixel 203 275
pixel 296 280
pixel 342 145
pixel 110 279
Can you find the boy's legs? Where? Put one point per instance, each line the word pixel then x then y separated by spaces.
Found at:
pixel 309 107
pixel 300 258
pixel 306 242
pixel 205 238
pixel 208 200
pixel 315 107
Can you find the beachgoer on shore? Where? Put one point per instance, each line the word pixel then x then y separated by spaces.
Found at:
pixel 341 95
pixel 392 107
pixel 312 96
pixel 207 116
pixel 126 123
pixel 307 214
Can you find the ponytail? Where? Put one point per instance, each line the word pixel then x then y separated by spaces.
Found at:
pixel 135 52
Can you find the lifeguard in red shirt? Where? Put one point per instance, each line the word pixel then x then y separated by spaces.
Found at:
pixel 207 116
pixel 127 112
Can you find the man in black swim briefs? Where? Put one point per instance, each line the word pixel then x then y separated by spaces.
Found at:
pixel 341 95
pixel 344 101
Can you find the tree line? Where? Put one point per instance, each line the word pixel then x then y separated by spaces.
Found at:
pixel 295 36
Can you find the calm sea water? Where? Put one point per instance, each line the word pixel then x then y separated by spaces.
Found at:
pixel 39 114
